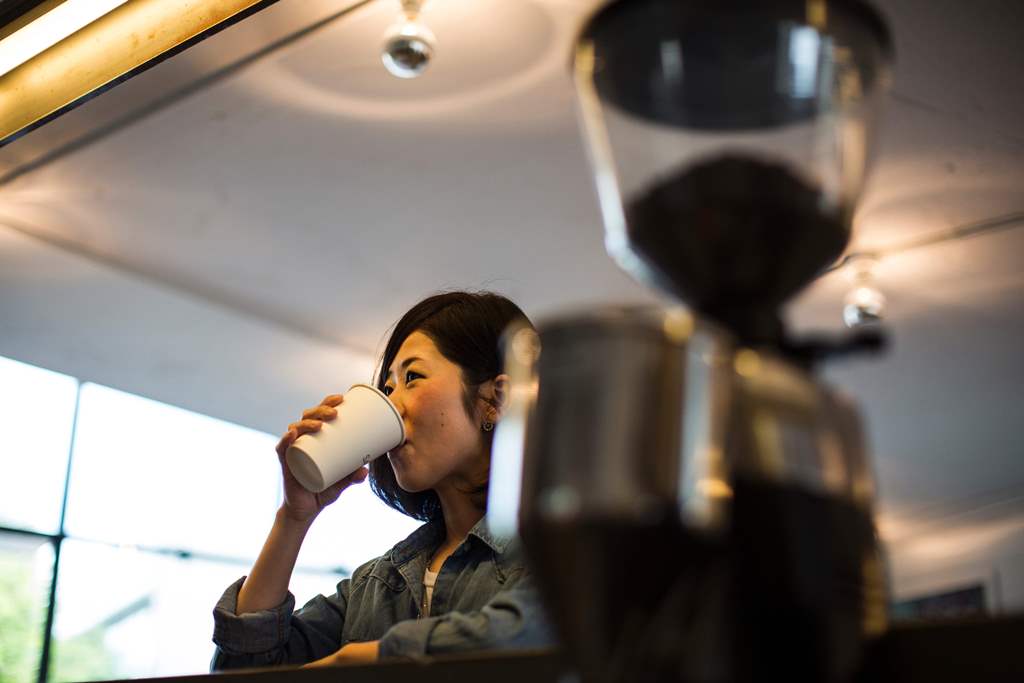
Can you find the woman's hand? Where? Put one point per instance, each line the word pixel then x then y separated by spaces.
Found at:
pixel 299 504
pixel 353 653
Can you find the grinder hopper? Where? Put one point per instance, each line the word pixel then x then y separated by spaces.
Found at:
pixel 730 141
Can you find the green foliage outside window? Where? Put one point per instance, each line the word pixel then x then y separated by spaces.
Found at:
pixel 82 658
pixel 21 623
pixel 22 618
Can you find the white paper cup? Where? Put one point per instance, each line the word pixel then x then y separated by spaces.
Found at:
pixel 367 426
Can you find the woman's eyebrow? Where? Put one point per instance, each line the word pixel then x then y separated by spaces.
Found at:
pixel 406 363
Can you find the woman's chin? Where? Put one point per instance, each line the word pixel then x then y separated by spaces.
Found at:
pixel 404 478
pixel 410 484
pixel 405 475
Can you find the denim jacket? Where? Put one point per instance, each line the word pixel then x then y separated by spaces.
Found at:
pixel 483 599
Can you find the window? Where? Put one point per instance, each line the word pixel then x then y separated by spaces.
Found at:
pixel 162 509
pixel 37 410
pixel 148 474
pixel 354 530
pixel 123 612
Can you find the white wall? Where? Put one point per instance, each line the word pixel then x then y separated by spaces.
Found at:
pixel 68 313
pixel 988 552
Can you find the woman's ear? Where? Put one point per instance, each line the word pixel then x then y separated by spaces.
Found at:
pixel 501 389
pixel 495 395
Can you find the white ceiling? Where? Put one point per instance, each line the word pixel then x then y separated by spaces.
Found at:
pixel 244 249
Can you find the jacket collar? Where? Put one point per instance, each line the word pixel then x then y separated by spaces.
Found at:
pixel 425 538
pixel 483 531
pixel 431 534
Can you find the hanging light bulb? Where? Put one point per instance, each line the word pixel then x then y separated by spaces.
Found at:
pixel 408 44
pixel 865 304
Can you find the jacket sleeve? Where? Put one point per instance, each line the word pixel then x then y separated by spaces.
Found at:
pixel 277 636
pixel 513 619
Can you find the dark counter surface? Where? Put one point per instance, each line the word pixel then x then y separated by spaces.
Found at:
pixel 970 651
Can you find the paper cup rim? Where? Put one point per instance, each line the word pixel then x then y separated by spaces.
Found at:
pixel 394 410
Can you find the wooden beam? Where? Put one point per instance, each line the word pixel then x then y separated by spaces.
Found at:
pixel 134 36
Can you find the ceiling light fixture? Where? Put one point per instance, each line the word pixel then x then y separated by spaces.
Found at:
pixel 865 304
pixel 50 28
pixel 408 44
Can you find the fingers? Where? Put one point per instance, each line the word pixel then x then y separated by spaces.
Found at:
pixel 331 493
pixel 312 420
pixel 295 430
pixel 305 426
pixel 321 412
pixel 284 443
pixel 356 477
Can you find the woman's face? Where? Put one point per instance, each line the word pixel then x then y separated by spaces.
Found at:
pixel 443 443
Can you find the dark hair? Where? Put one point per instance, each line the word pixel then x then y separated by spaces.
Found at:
pixel 467 329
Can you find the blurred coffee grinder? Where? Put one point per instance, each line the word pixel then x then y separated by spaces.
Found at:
pixel 696 503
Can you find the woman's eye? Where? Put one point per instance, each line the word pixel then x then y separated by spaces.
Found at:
pixel 409 376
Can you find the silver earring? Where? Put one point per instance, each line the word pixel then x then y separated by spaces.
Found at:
pixel 488 426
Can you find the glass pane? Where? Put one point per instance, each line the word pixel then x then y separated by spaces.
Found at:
pixel 26 568
pixel 37 409
pixel 127 613
pixel 306 585
pixel 149 474
pixel 354 530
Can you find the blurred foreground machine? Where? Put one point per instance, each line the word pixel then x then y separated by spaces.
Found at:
pixel 696 503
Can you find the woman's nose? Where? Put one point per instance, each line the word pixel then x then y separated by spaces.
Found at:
pixel 396 400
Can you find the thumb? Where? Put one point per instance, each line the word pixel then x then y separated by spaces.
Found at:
pixel 358 476
pixel 355 478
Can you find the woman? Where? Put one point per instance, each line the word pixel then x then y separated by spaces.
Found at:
pixel 451 586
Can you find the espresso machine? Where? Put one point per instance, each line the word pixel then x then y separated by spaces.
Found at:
pixel 696 503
